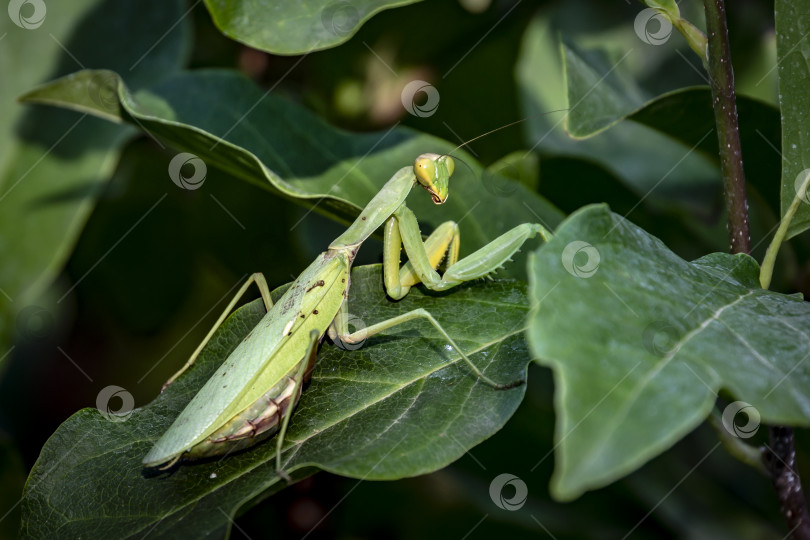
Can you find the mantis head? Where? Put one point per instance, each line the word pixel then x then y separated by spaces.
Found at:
pixel 433 173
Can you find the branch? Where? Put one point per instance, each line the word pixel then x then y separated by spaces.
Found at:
pixel 724 102
pixel 780 456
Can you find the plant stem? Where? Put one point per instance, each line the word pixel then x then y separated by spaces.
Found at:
pixel 748 454
pixel 724 102
pixel 780 456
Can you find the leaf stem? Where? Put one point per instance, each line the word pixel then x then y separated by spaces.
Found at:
pixel 780 456
pixel 748 454
pixel 766 271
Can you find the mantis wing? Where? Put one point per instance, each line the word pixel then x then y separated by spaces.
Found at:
pixel 272 350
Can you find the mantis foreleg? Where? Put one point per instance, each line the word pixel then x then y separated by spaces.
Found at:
pixel 443 241
pixel 403 229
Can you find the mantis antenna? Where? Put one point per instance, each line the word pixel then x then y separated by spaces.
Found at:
pixel 490 132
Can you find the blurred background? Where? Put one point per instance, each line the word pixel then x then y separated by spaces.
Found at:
pixel 127 295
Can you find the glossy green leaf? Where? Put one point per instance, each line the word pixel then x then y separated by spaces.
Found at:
pixel 641 341
pixel 280 146
pixel 793 51
pixel 53 164
pixel 294 27
pixel 401 405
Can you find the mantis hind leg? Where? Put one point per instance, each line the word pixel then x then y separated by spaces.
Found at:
pixel 402 229
pixel 359 336
pixel 261 283
pixel 307 363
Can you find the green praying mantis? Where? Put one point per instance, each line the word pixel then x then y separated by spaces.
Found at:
pixel 253 393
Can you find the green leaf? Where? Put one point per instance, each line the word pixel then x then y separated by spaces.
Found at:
pixel 641 341
pixel 54 163
pixel 636 154
pixel 230 123
pixel 294 27
pixel 598 95
pixel 793 50
pixel 682 116
pixel 402 405
pixel 685 115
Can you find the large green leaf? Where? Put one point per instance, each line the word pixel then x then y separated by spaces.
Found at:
pixel 53 163
pixel 793 51
pixel 637 154
pixel 294 27
pixel 402 405
pixel 229 122
pixel 641 341
pixel 685 115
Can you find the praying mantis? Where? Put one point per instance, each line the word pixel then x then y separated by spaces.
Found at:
pixel 253 393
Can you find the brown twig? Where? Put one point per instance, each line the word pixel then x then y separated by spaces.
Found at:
pixel 780 456
pixel 724 102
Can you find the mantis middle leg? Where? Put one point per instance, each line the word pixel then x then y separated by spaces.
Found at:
pixel 340 331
